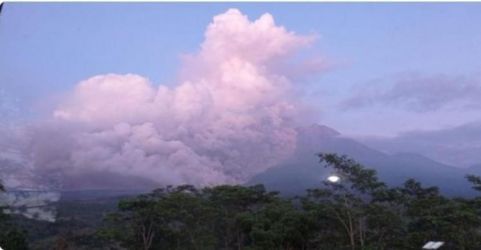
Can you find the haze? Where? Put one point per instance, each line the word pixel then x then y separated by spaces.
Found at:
pixel 214 93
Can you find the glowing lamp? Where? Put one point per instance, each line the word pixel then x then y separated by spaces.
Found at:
pixel 333 178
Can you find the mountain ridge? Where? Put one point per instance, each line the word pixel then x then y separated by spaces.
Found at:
pixel 303 170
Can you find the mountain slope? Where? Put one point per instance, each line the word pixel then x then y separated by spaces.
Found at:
pixel 303 170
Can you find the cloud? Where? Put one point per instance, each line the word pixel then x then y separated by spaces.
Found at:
pixel 232 115
pixel 419 93
pixel 458 146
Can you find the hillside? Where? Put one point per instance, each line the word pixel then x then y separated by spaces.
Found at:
pixel 303 171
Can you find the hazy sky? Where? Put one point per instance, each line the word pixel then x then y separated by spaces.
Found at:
pixel 392 67
pixel 215 93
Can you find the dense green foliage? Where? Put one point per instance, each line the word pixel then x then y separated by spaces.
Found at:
pixel 359 212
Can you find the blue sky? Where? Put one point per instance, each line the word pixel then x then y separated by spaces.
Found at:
pixel 48 48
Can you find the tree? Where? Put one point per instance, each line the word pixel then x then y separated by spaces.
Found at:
pixel 233 204
pixel 133 225
pixel 167 218
pixel 358 213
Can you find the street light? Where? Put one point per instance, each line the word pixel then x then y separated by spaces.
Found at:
pixel 333 178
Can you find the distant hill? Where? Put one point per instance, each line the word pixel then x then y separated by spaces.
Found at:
pixel 303 170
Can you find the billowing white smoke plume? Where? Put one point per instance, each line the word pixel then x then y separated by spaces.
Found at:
pixel 232 115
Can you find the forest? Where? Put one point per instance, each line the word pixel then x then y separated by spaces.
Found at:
pixel 358 212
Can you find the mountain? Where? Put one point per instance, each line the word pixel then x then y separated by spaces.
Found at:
pixel 303 170
pixel 475 169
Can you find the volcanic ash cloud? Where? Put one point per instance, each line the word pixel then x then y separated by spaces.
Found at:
pixel 231 116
